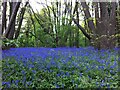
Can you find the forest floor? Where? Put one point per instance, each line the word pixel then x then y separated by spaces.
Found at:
pixel 60 68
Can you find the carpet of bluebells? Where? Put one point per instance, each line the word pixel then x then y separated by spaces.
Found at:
pixel 61 67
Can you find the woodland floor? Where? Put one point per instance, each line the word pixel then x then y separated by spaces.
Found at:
pixel 61 67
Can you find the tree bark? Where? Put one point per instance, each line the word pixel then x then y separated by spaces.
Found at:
pixel 77 30
pixel 88 17
pixel 9 30
pixel 12 30
pixel 70 22
pixel 21 19
pixel 105 24
pixel 4 17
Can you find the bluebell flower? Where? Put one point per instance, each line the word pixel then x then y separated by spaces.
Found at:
pixel 108 85
pixel 97 83
pixel 112 67
pixel 112 72
pixel 6 83
pixel 58 74
pixel 67 74
pixel 23 72
pixel 16 82
pixel 57 86
pixel 101 67
pixel 31 66
pixel 34 71
pixel 102 84
pixel 29 82
pixel 24 79
pixel 80 74
pixel 89 78
pixel 84 59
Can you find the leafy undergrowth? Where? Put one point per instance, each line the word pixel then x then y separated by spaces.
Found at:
pixel 60 68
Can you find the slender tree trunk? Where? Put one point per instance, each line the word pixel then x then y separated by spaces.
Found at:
pixel 88 17
pixel 55 23
pixel 70 22
pixel 10 31
pixel 36 17
pixel 77 30
pixel 4 17
pixel 21 19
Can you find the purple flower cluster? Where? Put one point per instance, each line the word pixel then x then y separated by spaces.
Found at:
pixel 64 59
pixel 63 56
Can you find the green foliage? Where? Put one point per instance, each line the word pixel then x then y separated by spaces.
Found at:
pixel 44 34
pixel 87 74
pixel 10 43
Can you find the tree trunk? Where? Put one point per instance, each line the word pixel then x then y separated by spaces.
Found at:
pixel 77 30
pixel 4 17
pixel 21 19
pixel 11 29
pixel 88 17
pixel 106 26
pixel 104 30
pixel 70 22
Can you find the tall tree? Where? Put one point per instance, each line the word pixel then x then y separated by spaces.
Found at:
pixel 4 17
pixel 22 12
pixel 77 30
pixel 70 22
pixel 102 34
pixel 12 30
pixel 106 25
pixel 11 26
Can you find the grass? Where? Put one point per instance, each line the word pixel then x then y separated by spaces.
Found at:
pixel 60 68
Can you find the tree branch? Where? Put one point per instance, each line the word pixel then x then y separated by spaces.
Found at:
pixel 82 29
